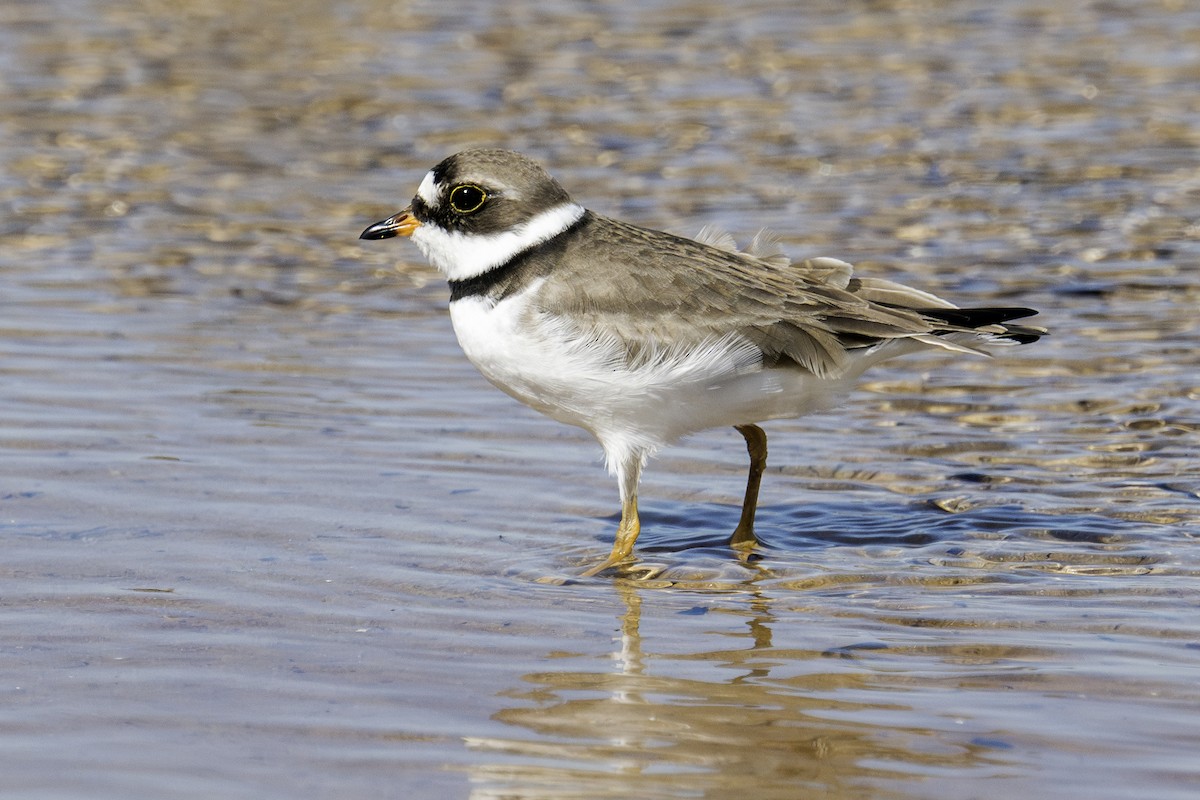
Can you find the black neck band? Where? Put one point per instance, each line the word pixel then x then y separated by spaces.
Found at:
pixel 480 284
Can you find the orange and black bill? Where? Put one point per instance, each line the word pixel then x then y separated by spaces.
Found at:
pixel 401 224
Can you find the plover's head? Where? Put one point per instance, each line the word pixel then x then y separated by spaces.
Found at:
pixel 478 209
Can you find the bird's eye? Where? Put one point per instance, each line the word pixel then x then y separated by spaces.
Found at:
pixel 467 199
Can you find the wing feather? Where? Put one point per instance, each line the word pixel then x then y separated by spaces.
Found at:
pixel 652 290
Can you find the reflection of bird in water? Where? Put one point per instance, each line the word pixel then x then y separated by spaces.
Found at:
pixel 655 719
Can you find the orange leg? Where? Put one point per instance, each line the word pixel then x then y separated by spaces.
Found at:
pixel 627 533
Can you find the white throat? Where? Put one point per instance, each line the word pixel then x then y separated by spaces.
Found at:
pixel 460 256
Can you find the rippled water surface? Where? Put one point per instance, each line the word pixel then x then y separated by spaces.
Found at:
pixel 266 533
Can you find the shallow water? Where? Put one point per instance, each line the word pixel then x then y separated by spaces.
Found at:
pixel 267 534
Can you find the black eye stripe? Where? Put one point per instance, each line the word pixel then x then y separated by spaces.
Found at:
pixel 467 198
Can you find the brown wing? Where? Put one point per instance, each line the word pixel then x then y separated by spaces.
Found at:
pixel 647 288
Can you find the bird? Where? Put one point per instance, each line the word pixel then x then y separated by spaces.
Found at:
pixel 642 337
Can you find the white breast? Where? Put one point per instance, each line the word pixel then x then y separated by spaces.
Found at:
pixel 528 354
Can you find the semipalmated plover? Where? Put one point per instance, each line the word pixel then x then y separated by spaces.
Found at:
pixel 642 337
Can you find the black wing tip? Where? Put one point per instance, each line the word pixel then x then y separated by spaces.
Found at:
pixel 976 318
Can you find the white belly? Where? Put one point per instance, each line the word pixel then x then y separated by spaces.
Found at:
pixel 551 365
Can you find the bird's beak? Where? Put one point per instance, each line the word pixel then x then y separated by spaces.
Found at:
pixel 401 224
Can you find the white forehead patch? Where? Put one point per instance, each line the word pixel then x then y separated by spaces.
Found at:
pixel 427 191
